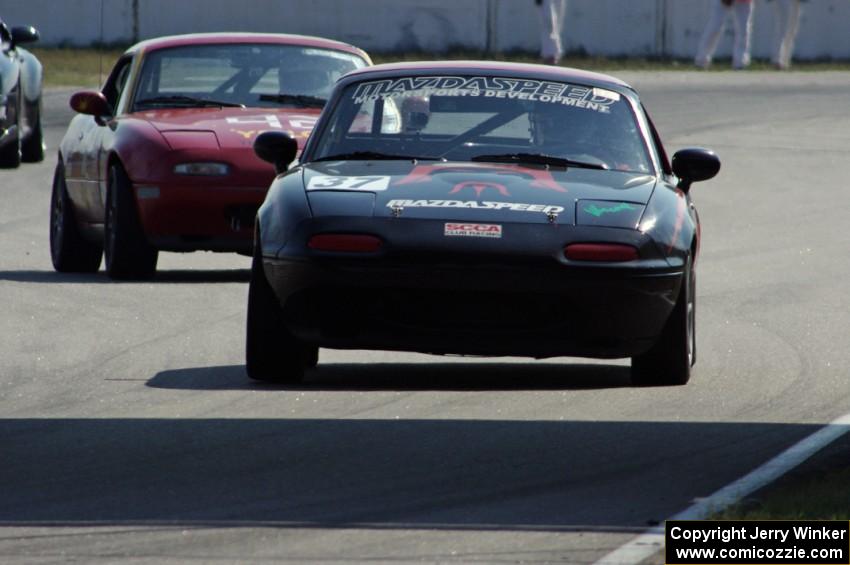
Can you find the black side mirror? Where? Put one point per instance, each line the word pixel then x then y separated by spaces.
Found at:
pixel 694 165
pixel 24 34
pixel 277 148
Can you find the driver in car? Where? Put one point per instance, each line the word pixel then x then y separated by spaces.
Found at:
pixel 586 135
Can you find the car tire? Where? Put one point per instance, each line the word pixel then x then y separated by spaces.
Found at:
pixel 669 361
pixel 32 148
pixel 272 354
pixel 69 251
pixel 10 154
pixel 128 254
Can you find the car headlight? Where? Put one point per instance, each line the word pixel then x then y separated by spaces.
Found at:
pixel 202 169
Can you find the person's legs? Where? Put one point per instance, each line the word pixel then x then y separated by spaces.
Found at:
pixel 788 14
pixel 779 19
pixel 551 21
pixel 743 12
pixel 711 34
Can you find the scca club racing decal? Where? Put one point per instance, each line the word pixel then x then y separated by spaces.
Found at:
pixel 368 183
pixel 474 205
pixel 596 99
pixel 454 229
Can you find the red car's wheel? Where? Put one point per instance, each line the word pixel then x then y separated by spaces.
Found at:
pixel 69 251
pixel 128 254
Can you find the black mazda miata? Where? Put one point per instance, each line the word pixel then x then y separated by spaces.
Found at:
pixel 478 208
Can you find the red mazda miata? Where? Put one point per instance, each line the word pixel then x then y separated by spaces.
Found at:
pixel 161 158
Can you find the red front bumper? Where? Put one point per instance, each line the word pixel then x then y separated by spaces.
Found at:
pixel 183 217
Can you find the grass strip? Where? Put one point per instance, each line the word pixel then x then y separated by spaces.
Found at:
pixel 818 493
pixel 65 66
pixel 88 67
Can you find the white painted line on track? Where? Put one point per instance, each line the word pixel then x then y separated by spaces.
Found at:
pixel 652 540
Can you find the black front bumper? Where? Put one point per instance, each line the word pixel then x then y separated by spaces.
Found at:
pixel 473 307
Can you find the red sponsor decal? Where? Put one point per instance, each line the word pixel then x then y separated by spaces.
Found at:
pixel 480 187
pixel 539 178
pixel 456 229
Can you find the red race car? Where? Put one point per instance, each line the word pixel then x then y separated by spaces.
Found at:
pixel 161 158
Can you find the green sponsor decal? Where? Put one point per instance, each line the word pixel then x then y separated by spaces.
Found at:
pixel 599 211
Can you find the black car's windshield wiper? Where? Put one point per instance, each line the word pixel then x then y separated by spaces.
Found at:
pixel 182 100
pixel 375 156
pixel 300 100
pixel 538 159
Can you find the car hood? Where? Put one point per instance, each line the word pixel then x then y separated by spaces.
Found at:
pixel 229 128
pixel 477 192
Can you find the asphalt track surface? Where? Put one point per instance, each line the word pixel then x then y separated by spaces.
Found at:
pixel 129 431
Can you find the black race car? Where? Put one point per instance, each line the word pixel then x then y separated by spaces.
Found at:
pixel 478 208
pixel 20 98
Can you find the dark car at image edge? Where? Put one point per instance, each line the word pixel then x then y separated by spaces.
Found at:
pixel 21 137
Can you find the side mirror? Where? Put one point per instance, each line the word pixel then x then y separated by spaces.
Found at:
pixel 92 103
pixel 277 148
pixel 694 165
pixel 24 34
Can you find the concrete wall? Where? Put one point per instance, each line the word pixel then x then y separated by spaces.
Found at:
pixel 597 27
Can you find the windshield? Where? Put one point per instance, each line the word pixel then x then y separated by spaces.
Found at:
pixel 254 75
pixel 477 118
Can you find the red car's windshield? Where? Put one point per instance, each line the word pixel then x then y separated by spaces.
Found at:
pixel 256 75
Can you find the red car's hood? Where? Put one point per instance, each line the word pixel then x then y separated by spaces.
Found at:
pixel 232 127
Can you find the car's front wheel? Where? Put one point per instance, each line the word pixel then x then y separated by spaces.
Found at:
pixel 10 153
pixel 128 254
pixel 670 359
pixel 69 251
pixel 272 354
pixel 32 148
